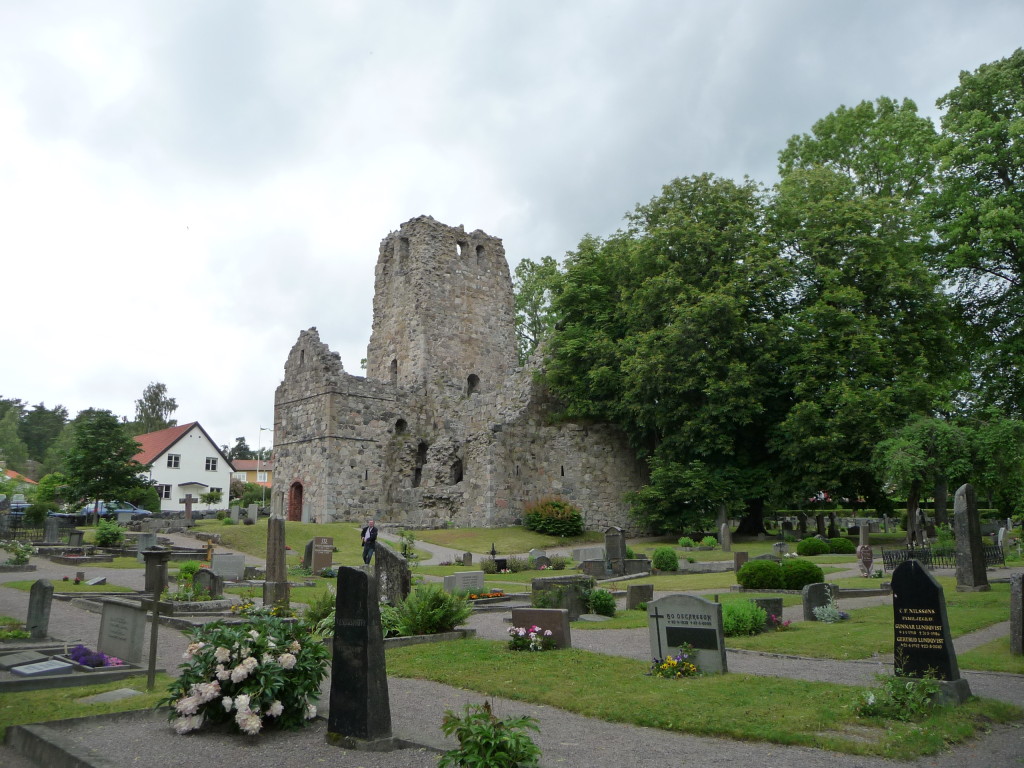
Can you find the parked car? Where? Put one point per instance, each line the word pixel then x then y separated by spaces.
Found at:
pixel 108 510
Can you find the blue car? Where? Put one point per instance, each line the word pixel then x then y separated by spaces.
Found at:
pixel 108 510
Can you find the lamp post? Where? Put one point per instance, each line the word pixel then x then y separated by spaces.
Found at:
pixel 259 458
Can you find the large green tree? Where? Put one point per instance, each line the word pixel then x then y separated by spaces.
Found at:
pixel 40 427
pixel 100 463
pixel 12 448
pixel 979 206
pixel 534 285
pixel 153 410
pixel 669 329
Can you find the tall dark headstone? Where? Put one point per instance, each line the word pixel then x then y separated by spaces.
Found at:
pixel 970 556
pixel 1017 614
pixel 275 587
pixel 39 600
pixel 614 543
pixel 360 714
pixel 922 641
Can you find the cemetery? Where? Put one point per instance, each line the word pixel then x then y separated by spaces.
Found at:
pixel 913 618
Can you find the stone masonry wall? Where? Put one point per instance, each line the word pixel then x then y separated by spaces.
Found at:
pixel 425 446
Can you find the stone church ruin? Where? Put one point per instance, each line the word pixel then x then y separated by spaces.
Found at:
pixel 445 429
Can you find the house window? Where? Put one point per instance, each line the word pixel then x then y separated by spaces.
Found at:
pixel 211 463
pixel 217 490
pixel 240 476
pixel 163 491
pixel 173 460
pixel 261 477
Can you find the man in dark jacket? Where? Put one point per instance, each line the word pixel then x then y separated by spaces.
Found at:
pixel 369 537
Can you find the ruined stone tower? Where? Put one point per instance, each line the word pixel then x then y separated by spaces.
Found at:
pixel 445 429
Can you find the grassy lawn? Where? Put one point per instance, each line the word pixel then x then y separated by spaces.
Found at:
pixel 511 540
pixel 802 713
pixel 43 706
pixel 69 586
pixel 992 657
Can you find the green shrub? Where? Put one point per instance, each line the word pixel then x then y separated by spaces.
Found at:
pixel 812 546
pixel 630 554
pixel 553 517
pixel 319 607
pixel 559 562
pixel 900 698
pixel 429 610
pixel 518 564
pixel 761 574
pixel 742 617
pixel 36 514
pixel 842 546
pixel 227 521
pixel 488 566
pixel 188 570
pixel 221 514
pixel 665 559
pixel 484 740
pixel 797 574
pixel 109 534
pixel 709 541
pixel 686 541
pixel 602 602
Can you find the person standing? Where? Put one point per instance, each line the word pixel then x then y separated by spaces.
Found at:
pixel 369 538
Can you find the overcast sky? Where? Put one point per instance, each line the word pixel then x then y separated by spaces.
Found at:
pixel 185 185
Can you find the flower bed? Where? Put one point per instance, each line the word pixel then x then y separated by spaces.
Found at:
pixel 485 595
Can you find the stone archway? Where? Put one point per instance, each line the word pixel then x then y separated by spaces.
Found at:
pixel 295 502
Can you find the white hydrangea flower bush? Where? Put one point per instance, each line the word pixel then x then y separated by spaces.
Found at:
pixel 265 673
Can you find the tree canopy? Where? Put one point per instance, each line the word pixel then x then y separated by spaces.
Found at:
pixel 153 410
pixel 101 463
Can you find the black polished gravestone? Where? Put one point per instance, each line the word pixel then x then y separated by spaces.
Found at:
pixel 360 714
pixel 923 645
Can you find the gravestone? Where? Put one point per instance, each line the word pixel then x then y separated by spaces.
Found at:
pixel 816 596
pixel 533 554
pixel 637 594
pixel 99 581
pixel 780 548
pixel 210 582
pixel 1001 539
pixel 188 501
pixel 144 541
pixel 725 537
pixel 787 525
pixel 922 641
pixel 307 555
pixel 554 619
pixel 568 593
pixel 39 601
pixel 543 561
pixel 614 544
pixel 501 564
pixel 464 581
pixel 123 518
pixel 394 577
pixel 229 567
pixel 676 619
pixel 76 538
pixel 11 660
pixel 51 532
pixel 467 558
pixel 360 709
pixel 1017 614
pixel 156 570
pixel 235 513
pixel 122 626
pixel 970 556
pixel 864 536
pixel 276 587
pixel 252 512
pixel 865 559
pixel 588 553
pixel 50 667
pixel 80 575
pixel 739 559
pixel 323 553
pixel 773 610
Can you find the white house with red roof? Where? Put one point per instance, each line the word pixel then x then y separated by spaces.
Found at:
pixel 185 461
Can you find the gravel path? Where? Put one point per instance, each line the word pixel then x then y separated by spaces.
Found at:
pixel 566 740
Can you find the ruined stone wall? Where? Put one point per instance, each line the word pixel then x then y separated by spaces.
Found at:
pixel 443 310
pixel 417 448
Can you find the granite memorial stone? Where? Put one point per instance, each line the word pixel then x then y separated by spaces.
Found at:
pixel 676 619
pixel 39 601
pixel 970 555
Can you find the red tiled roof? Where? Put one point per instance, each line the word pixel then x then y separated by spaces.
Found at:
pixel 19 477
pixel 154 443
pixel 253 465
